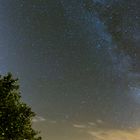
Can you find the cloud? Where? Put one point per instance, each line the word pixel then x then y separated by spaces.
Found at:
pixel 101 133
pixel 88 124
pixel 79 126
pixel 38 119
pixel 99 121
pixel 115 134
pixel 92 123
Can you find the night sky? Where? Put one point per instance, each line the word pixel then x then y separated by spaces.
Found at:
pixel 78 63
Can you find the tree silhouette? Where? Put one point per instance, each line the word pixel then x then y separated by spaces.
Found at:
pixel 15 116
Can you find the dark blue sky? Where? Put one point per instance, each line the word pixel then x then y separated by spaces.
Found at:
pixel 77 61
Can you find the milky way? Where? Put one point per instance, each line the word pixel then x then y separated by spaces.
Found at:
pixel 78 65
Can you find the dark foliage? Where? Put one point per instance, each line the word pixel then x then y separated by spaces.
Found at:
pixel 15 116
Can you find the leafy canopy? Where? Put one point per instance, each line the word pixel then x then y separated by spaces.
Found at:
pixel 15 116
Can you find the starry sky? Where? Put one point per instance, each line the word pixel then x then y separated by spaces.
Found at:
pixel 78 64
